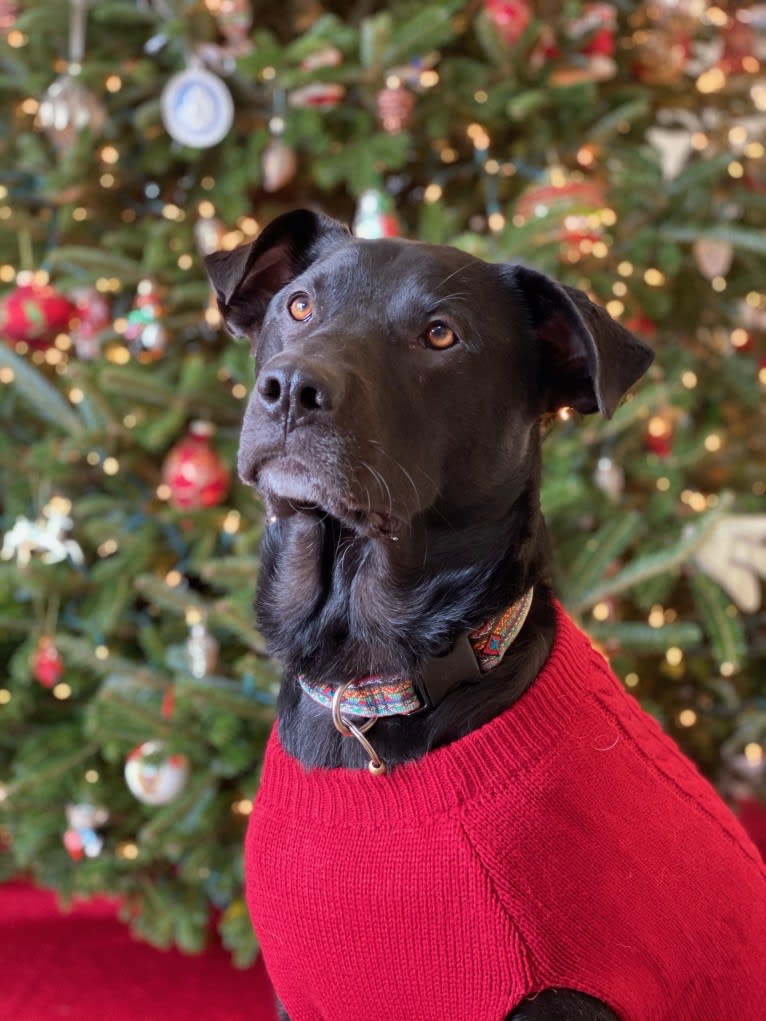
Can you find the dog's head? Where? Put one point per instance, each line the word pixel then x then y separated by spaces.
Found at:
pixel 390 372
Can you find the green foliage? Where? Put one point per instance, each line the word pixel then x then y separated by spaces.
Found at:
pixel 497 120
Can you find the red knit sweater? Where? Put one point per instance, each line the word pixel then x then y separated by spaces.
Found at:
pixel 566 843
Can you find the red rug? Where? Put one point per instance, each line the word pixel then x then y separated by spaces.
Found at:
pixel 83 965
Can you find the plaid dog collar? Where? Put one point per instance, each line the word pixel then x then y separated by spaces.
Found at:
pixel 474 654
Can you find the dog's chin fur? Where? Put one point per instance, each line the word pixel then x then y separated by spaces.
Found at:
pixel 335 603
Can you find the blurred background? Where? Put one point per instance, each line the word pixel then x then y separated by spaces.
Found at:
pixel 617 146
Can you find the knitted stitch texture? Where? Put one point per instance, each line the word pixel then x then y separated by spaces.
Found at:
pixel 567 842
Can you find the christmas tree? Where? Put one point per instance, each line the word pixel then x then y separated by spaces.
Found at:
pixel 618 147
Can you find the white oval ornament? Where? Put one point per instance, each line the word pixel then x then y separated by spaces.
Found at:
pixel 152 777
pixel 197 108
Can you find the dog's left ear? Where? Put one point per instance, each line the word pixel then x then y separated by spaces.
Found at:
pixel 247 278
pixel 587 360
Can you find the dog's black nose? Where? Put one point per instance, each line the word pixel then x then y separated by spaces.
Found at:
pixel 295 392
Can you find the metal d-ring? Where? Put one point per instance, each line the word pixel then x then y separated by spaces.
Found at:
pixel 348 729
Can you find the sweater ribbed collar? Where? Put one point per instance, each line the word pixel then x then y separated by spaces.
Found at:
pixel 457 773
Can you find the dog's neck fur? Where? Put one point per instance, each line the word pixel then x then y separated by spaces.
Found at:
pixel 336 606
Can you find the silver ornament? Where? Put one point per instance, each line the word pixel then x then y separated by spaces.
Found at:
pixel 279 164
pixel 610 478
pixel 201 651
pixel 67 108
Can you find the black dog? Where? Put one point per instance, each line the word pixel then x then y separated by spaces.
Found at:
pixel 394 435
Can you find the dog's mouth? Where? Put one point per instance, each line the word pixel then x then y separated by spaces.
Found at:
pixel 288 488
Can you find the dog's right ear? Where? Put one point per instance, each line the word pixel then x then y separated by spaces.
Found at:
pixel 246 278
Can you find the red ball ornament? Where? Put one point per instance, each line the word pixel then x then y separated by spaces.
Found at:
pixel 510 18
pixel 47 665
pixel 194 473
pixel 567 208
pixel 642 325
pixel 34 314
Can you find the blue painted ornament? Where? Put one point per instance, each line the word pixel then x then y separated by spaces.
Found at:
pixel 197 108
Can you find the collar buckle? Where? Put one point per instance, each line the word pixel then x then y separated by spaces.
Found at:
pixel 440 674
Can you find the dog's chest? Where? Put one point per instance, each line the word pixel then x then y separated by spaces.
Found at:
pixel 381 924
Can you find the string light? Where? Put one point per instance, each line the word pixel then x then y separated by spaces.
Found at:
pixel 62 691
pixel 754 754
pixel 92 776
pixel 127 850
pixel 632 680
pixel 5 696
pixel 656 618
pixel 687 718
pixel 232 521
pixel 101 652
pixel 712 80
pixel 601 611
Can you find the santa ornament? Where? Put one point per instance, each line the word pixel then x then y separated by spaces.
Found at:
pixel 81 838
pixel 47 665
pixel 93 316
pixel 145 331
pixel 374 216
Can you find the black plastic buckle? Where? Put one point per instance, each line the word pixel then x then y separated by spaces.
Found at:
pixel 440 674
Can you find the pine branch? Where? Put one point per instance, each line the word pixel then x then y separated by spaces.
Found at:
pixel 43 398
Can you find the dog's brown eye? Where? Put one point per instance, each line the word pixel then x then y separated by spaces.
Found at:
pixel 301 307
pixel 440 336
